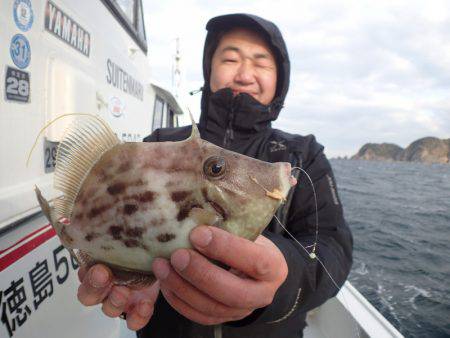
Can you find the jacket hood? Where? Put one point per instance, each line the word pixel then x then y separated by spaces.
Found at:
pixel 270 32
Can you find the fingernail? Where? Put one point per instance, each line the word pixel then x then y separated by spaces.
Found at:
pixel 160 268
pixel 99 277
pixel 201 236
pixel 145 308
pixel 180 259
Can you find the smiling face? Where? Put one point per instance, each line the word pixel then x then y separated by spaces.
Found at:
pixel 244 62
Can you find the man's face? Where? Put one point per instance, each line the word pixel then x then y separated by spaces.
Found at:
pixel 244 62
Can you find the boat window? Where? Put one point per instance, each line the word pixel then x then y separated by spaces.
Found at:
pixel 130 15
pixel 158 111
pixel 127 7
pixel 140 21
pixel 170 117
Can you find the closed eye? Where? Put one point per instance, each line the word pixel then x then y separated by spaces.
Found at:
pixel 264 63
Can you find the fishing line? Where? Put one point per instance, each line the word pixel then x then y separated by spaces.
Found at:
pixel 56 119
pixel 313 254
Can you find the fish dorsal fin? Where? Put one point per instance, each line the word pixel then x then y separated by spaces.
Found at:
pixel 85 141
pixel 195 134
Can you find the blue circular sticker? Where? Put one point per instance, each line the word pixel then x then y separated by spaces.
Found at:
pixel 23 14
pixel 20 51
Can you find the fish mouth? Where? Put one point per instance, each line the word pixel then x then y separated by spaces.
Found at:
pixel 219 210
pixel 287 168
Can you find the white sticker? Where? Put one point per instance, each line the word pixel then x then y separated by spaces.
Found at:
pixel 23 14
pixel 116 106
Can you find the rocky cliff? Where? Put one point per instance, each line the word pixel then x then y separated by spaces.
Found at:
pixel 427 149
pixel 380 152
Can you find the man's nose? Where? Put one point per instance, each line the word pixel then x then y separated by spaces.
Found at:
pixel 245 74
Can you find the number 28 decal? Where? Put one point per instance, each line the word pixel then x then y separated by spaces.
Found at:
pixel 17 85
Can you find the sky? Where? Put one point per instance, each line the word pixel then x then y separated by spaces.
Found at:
pixel 361 71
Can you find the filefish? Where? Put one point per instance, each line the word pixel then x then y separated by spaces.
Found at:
pixel 124 204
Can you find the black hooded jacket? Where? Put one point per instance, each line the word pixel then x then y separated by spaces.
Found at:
pixel 242 124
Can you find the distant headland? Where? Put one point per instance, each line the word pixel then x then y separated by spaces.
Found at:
pixel 427 150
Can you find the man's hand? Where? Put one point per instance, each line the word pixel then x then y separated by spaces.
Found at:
pixel 208 294
pixel 96 287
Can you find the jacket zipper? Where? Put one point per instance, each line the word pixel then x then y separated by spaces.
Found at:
pixel 229 132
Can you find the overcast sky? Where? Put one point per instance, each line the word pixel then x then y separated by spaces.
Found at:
pixel 362 71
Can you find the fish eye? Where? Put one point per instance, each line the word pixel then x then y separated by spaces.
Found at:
pixel 215 167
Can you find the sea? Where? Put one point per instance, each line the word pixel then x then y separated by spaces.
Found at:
pixel 399 213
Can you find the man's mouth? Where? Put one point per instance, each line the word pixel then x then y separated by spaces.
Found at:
pixel 237 92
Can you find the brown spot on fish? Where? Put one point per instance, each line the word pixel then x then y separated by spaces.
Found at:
pixel 125 166
pixel 92 235
pixel 163 238
pixel 94 212
pixel 205 193
pixel 129 209
pixel 78 217
pixel 171 183
pixel 116 188
pixel 138 182
pixel 134 232
pixel 131 243
pixel 157 222
pixel 106 247
pixel 147 196
pixel 183 213
pixel 116 231
pixel 178 196
pixel 177 169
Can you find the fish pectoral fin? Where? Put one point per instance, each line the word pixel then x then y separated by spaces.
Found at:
pixel 206 217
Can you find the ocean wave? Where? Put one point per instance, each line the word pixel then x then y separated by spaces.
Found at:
pixel 361 269
pixel 416 292
pixel 399 214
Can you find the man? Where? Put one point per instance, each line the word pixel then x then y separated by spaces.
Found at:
pixel 272 282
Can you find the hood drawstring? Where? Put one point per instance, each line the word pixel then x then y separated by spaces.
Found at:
pixel 195 91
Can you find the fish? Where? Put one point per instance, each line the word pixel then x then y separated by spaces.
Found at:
pixel 123 204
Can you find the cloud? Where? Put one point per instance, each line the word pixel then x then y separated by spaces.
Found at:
pixel 362 71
